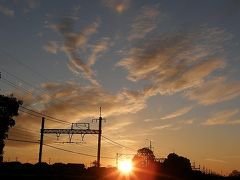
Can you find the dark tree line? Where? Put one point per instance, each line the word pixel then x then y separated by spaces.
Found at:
pixel 177 165
pixel 173 167
pixel 8 109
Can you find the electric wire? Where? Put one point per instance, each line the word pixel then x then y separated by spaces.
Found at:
pixel 13 58
pixel 45 115
pixel 41 114
pixel 65 150
pixel 118 143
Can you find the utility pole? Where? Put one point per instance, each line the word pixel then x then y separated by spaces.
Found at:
pixel 76 128
pixel 99 139
pixel 41 141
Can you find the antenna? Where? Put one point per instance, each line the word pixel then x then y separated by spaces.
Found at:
pixel 150 144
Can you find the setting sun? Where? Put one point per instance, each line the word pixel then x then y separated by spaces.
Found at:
pixel 125 166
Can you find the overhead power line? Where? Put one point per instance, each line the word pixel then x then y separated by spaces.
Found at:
pixel 16 77
pixel 117 143
pixel 13 58
pixel 29 113
pixel 6 81
pixel 20 140
pixel 45 115
pixel 30 93
pixel 41 114
pixel 44 92
pixel 70 151
pixel 61 149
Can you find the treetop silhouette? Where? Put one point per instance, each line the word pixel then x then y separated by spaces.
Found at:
pixel 8 109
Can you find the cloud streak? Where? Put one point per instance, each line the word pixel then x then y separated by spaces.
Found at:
pixel 97 49
pixel 175 62
pixel 144 23
pixel 77 101
pixel 74 44
pixel 216 160
pixel 162 127
pixel 222 118
pixel 118 6
pixel 215 91
pixel 178 113
pixel 51 47
pixel 119 126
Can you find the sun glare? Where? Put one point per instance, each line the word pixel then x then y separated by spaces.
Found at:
pixel 125 166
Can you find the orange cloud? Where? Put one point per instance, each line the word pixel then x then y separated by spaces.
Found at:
pixel 79 101
pixel 162 127
pixel 215 91
pixel 223 117
pixel 98 48
pixel 117 5
pixel 178 113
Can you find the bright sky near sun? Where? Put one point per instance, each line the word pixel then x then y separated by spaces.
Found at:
pixel 162 70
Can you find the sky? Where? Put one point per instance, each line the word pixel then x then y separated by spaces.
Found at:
pixel 162 71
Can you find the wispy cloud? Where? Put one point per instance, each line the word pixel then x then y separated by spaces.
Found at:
pixel 118 6
pixel 76 101
pixel 162 127
pixel 6 11
pixel 176 62
pixel 73 102
pixel 51 47
pixel 98 48
pixel 120 125
pixel 147 120
pixel 215 91
pixel 144 23
pixel 187 122
pixel 223 117
pixel 216 160
pixel 178 113
pixel 74 44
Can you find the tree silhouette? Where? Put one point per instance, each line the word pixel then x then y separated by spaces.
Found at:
pixel 8 109
pixel 235 173
pixel 144 157
pixel 177 165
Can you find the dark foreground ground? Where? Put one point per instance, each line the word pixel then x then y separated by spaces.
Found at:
pixel 15 170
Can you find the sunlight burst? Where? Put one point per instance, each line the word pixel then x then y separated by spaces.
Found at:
pixel 125 166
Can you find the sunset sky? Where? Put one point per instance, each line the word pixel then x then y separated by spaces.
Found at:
pixel 165 71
